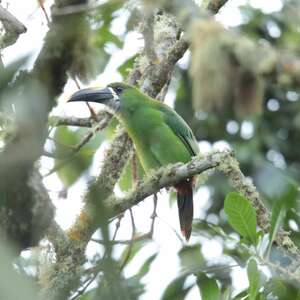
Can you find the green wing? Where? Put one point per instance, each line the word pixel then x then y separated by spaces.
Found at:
pixel 180 128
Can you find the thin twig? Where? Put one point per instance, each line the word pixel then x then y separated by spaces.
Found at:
pixel 134 168
pixel 92 112
pixel 41 3
pixel 131 243
pixel 79 122
pixel 154 214
pixel 173 229
pixel 118 224
pixel 87 283
pixel 77 148
pixel 153 80
pixel 282 271
pixel 223 161
pixel 95 270
pixel 137 238
pixel 76 82
pixel 164 177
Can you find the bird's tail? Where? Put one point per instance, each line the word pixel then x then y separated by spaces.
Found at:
pixel 185 206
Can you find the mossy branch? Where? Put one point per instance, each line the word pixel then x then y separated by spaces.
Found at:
pixel 34 93
pixel 224 162
pixel 151 79
pixel 102 116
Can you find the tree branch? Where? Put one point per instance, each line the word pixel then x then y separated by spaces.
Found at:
pixel 215 5
pixel 148 34
pixel 164 177
pixel 38 89
pixel 157 75
pixel 94 214
pixel 79 122
pixel 222 161
pixel 13 28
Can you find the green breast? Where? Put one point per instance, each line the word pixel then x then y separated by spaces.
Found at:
pixel 156 143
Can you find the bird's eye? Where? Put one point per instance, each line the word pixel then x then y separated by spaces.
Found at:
pixel 119 90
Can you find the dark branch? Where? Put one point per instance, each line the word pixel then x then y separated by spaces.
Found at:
pixel 215 5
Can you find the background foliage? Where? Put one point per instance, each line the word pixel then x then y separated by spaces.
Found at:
pixel 238 88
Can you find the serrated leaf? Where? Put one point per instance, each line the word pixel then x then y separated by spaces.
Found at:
pixel 241 216
pixel 254 278
pixel 208 287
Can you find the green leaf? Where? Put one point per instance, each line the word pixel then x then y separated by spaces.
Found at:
pixel 241 296
pixel 125 182
pixel 280 289
pixel 208 287
pixel 190 257
pixel 241 216
pixel 94 63
pixel 10 72
pixel 146 266
pixel 71 166
pixel 278 213
pixel 254 279
pixel 175 290
pixel 279 210
pixel 114 286
pixel 102 35
pixel 106 12
pixel 127 65
pixel 227 294
pixel 132 250
pixel 88 295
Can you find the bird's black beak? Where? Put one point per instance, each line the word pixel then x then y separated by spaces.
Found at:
pixel 97 95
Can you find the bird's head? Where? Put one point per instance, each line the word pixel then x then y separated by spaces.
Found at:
pixel 112 96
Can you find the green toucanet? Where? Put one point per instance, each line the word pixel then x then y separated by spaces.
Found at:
pixel 161 137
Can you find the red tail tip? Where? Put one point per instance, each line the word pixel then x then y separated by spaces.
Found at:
pixel 185 234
